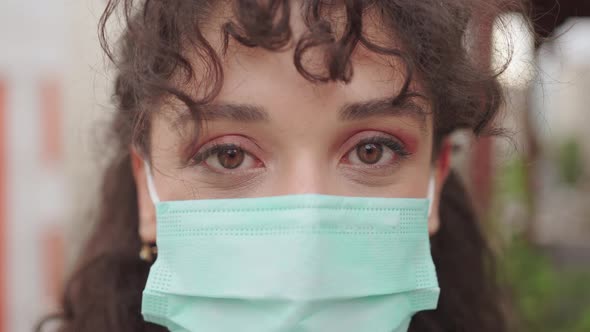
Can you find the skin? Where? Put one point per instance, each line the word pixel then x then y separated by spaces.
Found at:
pixel 295 136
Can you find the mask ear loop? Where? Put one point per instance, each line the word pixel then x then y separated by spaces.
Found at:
pixel 150 183
pixel 430 195
pixel 149 251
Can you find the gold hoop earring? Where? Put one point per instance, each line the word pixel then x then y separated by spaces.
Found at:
pixel 148 252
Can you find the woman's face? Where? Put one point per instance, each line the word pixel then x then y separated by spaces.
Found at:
pixel 272 132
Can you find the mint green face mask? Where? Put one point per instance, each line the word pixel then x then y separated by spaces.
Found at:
pixel 290 264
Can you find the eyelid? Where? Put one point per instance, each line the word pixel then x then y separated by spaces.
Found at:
pixel 242 142
pixel 394 145
pixel 371 136
pixel 200 157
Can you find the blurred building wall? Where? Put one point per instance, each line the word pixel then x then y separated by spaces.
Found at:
pixel 51 78
pixel 561 109
pixel 561 100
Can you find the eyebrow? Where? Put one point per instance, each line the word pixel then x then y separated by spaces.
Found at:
pixel 349 112
pixel 384 107
pixel 235 112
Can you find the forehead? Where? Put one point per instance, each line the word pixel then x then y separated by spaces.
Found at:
pixel 256 72
pixel 271 81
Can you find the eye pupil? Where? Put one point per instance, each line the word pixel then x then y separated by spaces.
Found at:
pixel 231 158
pixel 369 153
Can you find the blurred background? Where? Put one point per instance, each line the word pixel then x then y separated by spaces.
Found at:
pixel 532 187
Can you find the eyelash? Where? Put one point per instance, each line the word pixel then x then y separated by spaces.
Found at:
pixel 394 145
pixel 200 157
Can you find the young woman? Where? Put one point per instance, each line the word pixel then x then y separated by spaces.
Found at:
pixel 284 166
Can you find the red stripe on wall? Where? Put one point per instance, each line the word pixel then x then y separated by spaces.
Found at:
pixel 52 245
pixel 3 205
pixel 50 121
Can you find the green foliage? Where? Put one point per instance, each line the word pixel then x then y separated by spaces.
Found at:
pixel 570 162
pixel 511 180
pixel 545 299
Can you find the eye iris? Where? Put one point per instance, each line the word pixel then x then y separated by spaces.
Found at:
pixel 231 158
pixel 369 153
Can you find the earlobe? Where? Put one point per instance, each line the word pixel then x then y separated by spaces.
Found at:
pixel 433 224
pixel 146 209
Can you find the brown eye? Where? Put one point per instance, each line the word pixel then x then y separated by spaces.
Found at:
pixel 369 153
pixel 231 158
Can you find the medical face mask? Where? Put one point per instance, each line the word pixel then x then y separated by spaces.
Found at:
pixel 313 263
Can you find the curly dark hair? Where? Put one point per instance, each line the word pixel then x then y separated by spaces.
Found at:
pixel 437 42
